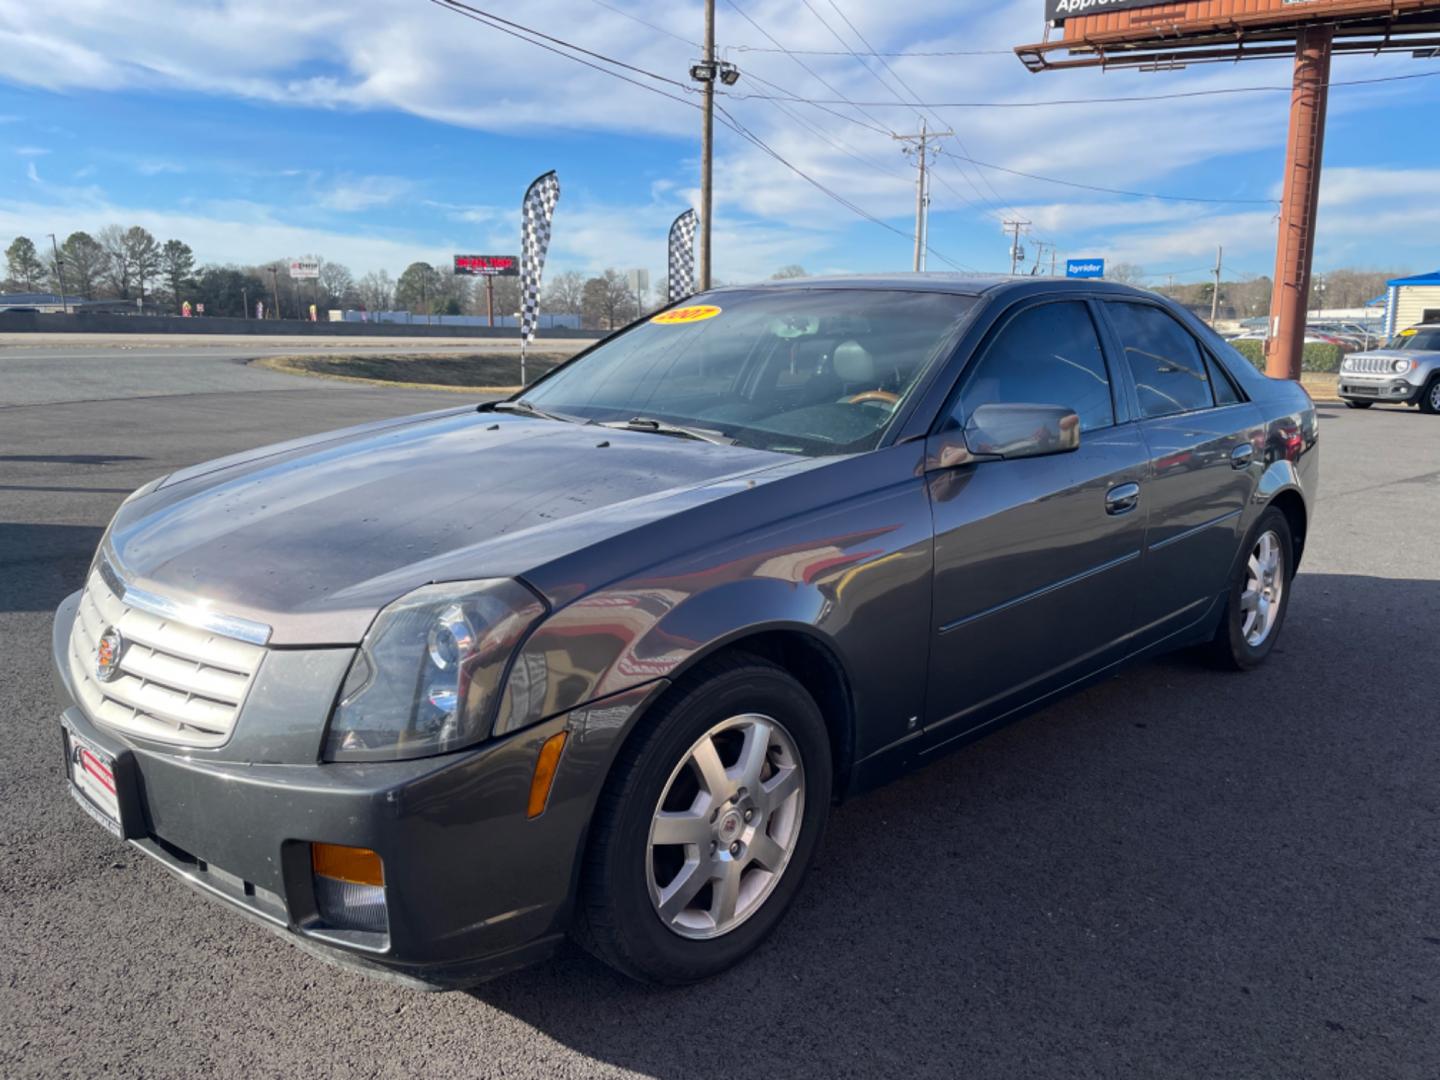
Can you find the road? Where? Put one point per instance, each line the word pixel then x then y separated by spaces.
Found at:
pixel 42 369
pixel 1177 873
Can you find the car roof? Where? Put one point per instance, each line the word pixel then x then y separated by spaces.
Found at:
pixel 960 284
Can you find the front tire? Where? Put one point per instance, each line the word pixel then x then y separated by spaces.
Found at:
pixel 1259 596
pixel 1430 396
pixel 1358 404
pixel 707 824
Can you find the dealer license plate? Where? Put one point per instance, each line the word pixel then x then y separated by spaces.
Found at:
pixel 92 776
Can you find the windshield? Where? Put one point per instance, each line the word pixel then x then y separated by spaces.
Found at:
pixel 1417 337
pixel 803 371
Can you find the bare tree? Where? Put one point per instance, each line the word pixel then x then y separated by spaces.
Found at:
pixel 608 301
pixel 377 291
pixel 336 280
pixel 794 270
pixel 565 293
pixel 119 270
pixel 1125 273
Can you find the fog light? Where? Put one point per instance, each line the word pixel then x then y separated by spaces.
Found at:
pixel 349 887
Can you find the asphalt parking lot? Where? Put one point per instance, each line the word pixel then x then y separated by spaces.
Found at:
pixel 1177 873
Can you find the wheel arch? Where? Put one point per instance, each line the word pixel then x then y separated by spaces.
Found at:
pixel 802 652
pixel 1290 503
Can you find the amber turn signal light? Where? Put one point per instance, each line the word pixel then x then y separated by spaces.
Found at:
pixel 545 766
pixel 356 865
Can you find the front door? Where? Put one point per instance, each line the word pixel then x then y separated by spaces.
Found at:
pixel 1036 559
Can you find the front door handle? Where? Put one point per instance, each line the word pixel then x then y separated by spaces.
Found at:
pixel 1240 457
pixel 1122 499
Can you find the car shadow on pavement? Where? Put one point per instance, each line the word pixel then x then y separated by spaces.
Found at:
pixel 42 564
pixel 1176 872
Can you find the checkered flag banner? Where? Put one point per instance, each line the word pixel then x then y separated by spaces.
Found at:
pixel 681 274
pixel 535 214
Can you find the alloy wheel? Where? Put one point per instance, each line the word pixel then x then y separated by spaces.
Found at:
pixel 1264 586
pixel 725 827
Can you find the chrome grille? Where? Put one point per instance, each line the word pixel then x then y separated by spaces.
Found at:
pixel 176 683
pixel 1371 365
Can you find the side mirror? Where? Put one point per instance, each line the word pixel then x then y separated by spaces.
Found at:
pixel 1022 430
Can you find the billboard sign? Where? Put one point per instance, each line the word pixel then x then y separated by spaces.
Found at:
pixel 488 265
pixel 1057 11
pixel 1085 268
pixel 305 268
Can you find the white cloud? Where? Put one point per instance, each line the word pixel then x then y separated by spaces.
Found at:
pixel 350 194
pixel 32 151
pixel 32 172
pixel 430 62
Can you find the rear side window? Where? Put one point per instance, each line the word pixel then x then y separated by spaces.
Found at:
pixel 1225 392
pixel 1046 355
pixel 1166 362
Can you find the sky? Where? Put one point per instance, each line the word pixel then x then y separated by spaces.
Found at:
pixel 378 132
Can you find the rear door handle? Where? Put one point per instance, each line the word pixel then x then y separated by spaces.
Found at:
pixel 1240 457
pixel 1122 499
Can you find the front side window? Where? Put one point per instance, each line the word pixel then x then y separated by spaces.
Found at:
pixel 1165 360
pixel 1047 355
pixel 804 371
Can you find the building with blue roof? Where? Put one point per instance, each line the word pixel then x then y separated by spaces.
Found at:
pixel 1412 300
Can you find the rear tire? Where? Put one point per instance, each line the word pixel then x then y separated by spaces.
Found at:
pixel 1358 404
pixel 1258 597
pixel 1430 396
pixel 708 822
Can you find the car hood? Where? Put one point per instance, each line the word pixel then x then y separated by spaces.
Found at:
pixel 312 538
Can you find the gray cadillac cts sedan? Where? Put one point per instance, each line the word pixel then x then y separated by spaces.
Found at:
pixel 431 693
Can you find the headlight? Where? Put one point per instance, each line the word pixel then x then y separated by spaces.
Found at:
pixel 428 677
pixel 1400 366
pixel 1347 364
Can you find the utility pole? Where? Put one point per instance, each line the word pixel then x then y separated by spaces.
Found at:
pixel 707 144
pixel 919 145
pixel 1215 296
pixel 705 73
pixel 59 274
pixel 1052 260
pixel 1015 253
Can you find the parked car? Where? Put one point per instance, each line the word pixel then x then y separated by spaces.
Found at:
pixel 1406 372
pixel 431 693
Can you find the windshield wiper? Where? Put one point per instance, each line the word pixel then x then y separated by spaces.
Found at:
pixel 528 409
pixel 661 427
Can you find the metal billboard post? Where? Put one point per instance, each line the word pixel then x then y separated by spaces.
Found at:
pixel 1295 247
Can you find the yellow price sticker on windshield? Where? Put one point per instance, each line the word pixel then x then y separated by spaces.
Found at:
pixel 693 314
pixel 1408 332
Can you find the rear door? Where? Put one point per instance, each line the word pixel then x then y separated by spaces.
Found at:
pixel 1036 559
pixel 1206 445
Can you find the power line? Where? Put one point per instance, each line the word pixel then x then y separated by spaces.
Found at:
pixel 1050 102
pixel 518 30
pixel 848 118
pixel 812 72
pixel 996 201
pixel 1113 191
pixel 636 19
pixel 526 34
pixel 746 133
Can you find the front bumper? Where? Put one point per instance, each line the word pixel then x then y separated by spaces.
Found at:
pixel 473 887
pixel 1397 389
